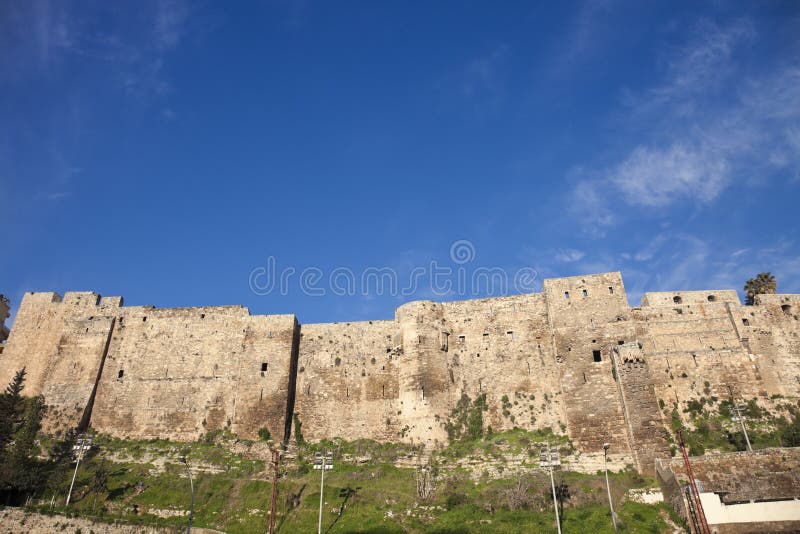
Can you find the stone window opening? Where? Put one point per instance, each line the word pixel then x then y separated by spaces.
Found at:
pixel 462 339
pixel 745 321
pixel 202 315
pixel 444 340
pixel 566 295
pixel 676 299
pixel 585 293
pixel 264 366
pixel 610 290
pixel 621 342
pixel 787 309
pixel 597 357
pixel 486 336
pixel 584 378
pixel 711 298
pixel 144 319
pixel 694 357
pixel 347 392
pixel 423 392
pixel 510 335
pixel 120 374
pixel 308 390
pixel 383 390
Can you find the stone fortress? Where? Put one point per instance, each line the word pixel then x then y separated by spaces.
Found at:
pixel 576 358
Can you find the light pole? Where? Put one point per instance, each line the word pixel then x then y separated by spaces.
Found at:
pixel 82 444
pixel 739 417
pixel 191 485
pixel 608 486
pixel 322 461
pixel 548 457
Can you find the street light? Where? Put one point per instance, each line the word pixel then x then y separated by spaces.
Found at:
pixel 323 462
pixel 740 418
pixel 608 486
pixel 549 457
pixel 191 485
pixel 82 444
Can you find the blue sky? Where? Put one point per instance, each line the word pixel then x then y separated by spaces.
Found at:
pixel 165 151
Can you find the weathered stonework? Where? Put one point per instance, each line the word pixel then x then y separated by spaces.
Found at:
pixel 575 358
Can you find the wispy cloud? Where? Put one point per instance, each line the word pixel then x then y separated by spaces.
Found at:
pixel 568 255
pixel 699 135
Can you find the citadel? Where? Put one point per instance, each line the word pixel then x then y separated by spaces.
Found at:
pixel 577 358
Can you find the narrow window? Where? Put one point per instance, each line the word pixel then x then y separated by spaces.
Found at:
pixel 597 357
pixel 444 341
pixel 566 295
pixel 585 293
pixel 584 378
pixel 383 390
pixel 610 290
pixel 745 321
pixel 676 299
pixel 202 315
pixel 711 298
pixel 486 336
pixel 308 390
pixel 462 339
pixel 120 374
pixel 264 366
pixel 510 335
pixel 144 319
pixel 423 393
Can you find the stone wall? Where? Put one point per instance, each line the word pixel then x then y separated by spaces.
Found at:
pixel 575 358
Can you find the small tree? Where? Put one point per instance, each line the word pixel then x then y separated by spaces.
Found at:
pixel 263 434
pixel 761 284
pixel 426 482
pixel 11 409
pixel 562 494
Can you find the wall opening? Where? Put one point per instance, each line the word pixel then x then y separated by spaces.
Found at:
pixel 745 321
pixel 596 356
pixel 584 378
pixel 444 340
pixel 711 298
pixel 144 319
pixel 462 340
pixel 610 290
pixel 202 315
pixel 264 366
pixel 120 374
pixel 787 309
pixel 510 335
pixel 383 390
pixel 585 293
pixel 566 295
pixel 676 299
pixel 621 342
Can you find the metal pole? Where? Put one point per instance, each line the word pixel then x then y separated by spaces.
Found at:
pixel 744 430
pixel 75 474
pixel 553 486
pixel 608 486
pixel 276 458
pixel 80 442
pixel 191 506
pixel 321 490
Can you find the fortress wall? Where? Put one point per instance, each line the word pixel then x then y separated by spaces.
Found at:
pixel 646 433
pixel 61 344
pixel 771 333
pixel 598 320
pixel 502 347
pixel 426 395
pixel 179 373
pixel 347 381
pixel 694 350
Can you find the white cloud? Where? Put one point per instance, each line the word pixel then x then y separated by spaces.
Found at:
pixel 569 255
pixel 706 127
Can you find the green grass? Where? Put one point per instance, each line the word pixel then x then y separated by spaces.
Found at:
pixel 365 492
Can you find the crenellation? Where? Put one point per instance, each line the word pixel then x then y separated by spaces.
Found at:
pixel 575 358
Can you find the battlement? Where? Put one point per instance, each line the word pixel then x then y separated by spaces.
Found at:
pixel 678 298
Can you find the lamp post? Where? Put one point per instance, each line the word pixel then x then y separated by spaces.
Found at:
pixel 740 418
pixel 608 486
pixel 82 444
pixel 191 485
pixel 548 457
pixel 322 461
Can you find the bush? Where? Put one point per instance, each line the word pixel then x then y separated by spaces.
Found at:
pixel 455 499
pixel 263 434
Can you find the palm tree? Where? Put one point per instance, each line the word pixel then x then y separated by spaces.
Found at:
pixel 762 284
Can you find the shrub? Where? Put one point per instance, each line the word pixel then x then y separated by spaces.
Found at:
pixel 263 434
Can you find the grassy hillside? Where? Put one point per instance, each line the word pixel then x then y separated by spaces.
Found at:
pixel 145 483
